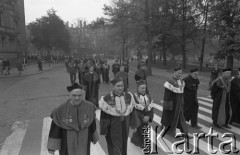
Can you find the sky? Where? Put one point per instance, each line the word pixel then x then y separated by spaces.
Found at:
pixel 68 10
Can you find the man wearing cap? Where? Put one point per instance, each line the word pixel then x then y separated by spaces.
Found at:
pixel 117 117
pixel 143 107
pixel 214 74
pixel 73 125
pixel 191 106
pixel 115 67
pixel 220 93
pixel 172 116
pixel 235 99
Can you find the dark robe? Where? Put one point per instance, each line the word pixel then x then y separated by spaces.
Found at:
pixel 214 75
pixel 126 68
pixel 140 75
pixel 91 83
pixel 116 118
pixel 72 125
pixel 123 75
pixel 81 72
pixel 191 106
pixel 220 93
pixel 235 99
pixel 105 73
pixel 172 115
pixel 115 68
pixel 143 108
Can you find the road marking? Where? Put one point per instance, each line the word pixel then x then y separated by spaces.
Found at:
pixel 204 103
pixel 204 118
pixel 13 143
pixel 206 99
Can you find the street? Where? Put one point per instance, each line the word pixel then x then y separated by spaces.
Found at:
pixel 26 103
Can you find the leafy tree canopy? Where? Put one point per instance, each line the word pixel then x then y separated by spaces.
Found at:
pixel 49 32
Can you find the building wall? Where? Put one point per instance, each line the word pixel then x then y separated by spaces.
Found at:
pixel 12 28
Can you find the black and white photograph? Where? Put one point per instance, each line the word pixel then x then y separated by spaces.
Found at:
pixel 119 77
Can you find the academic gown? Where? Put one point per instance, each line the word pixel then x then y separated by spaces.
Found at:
pixel 172 116
pixel 220 93
pixel 81 72
pixel 115 68
pixel 143 107
pixel 105 73
pixel 235 99
pixel 91 82
pixel 116 118
pixel 72 129
pixel 190 106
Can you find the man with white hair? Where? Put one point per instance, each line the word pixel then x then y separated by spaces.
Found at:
pixel 73 125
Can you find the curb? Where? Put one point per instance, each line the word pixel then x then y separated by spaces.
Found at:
pixel 1 77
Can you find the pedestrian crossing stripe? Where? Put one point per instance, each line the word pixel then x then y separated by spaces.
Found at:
pixel 13 143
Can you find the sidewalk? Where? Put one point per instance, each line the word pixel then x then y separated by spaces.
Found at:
pixel 159 73
pixel 30 69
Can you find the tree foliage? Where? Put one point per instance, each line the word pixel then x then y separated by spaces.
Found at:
pixel 49 32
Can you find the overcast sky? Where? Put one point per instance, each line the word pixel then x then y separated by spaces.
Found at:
pixel 68 10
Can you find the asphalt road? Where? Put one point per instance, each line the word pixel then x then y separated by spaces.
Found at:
pixel 26 103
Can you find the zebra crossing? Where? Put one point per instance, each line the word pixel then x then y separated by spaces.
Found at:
pixel 16 143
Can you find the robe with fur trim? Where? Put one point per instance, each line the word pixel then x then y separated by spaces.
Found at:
pixel 116 118
pixel 172 115
pixel 143 107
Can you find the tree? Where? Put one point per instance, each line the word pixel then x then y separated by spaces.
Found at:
pixel 225 24
pixel 49 32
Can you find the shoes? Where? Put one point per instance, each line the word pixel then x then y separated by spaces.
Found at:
pixel 226 126
pixel 196 126
pixel 216 125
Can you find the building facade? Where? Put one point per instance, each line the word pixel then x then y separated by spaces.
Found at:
pixel 12 29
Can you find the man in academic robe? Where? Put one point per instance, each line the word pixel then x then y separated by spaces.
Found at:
pixel 105 72
pixel 91 83
pixel 172 115
pixel 126 66
pixel 98 69
pixel 191 106
pixel 214 74
pixel 73 125
pixel 235 98
pixel 144 109
pixel 115 67
pixel 220 93
pixel 117 117
pixel 122 74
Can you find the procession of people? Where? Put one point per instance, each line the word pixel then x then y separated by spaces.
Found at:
pixel 121 110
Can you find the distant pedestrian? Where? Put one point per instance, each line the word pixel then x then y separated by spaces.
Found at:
pixel 73 71
pixel 190 106
pixel 73 125
pixel 214 75
pixel 40 65
pixel 115 67
pixel 91 83
pixel 19 66
pixel 220 93
pixel 105 72
pixel 81 71
pixel 124 76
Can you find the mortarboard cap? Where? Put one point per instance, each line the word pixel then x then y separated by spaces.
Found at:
pixel 177 69
pixel 116 80
pixel 74 86
pixel 141 82
pixel 194 70
pixel 226 69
